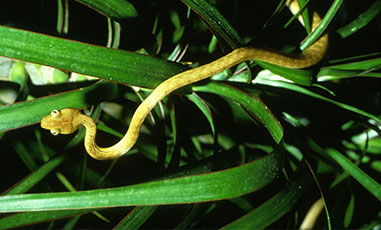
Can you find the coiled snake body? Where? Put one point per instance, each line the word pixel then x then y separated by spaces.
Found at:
pixel 66 121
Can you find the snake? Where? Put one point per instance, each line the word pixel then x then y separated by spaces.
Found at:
pixel 67 120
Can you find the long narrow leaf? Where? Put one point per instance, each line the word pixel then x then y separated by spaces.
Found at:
pixel 216 20
pixel 305 91
pixel 34 110
pixel 252 104
pixel 274 208
pixel 361 21
pixel 28 218
pixel 323 25
pixel 364 179
pixel 200 188
pixel 115 9
pixel 136 217
pixel 110 64
pixel 36 176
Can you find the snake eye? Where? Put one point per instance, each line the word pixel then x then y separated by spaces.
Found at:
pixel 55 113
pixel 54 132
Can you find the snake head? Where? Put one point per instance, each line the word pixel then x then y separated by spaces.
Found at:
pixel 61 121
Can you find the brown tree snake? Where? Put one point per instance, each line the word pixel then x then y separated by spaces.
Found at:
pixel 67 120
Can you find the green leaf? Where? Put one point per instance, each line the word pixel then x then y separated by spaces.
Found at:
pixel 216 20
pixel 364 179
pixel 218 185
pixel 332 75
pixel 322 26
pixel 361 21
pixel 18 74
pixel 298 76
pixel 28 218
pixel 115 9
pixel 254 105
pixel 110 64
pixel 136 217
pixel 34 110
pixel 372 63
pixel 356 68
pixel 349 212
pixel 274 208
pixel 301 90
pixel 39 174
pixel 204 109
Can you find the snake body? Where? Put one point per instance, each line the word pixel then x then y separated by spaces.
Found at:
pixel 67 120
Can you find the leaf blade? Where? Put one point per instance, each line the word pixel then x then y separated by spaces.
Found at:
pixel 188 189
pixel 110 64
pixel 364 179
pixel 34 110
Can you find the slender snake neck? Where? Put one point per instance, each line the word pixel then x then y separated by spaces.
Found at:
pixel 308 57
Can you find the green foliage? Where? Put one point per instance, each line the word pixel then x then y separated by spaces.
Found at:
pixel 252 147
